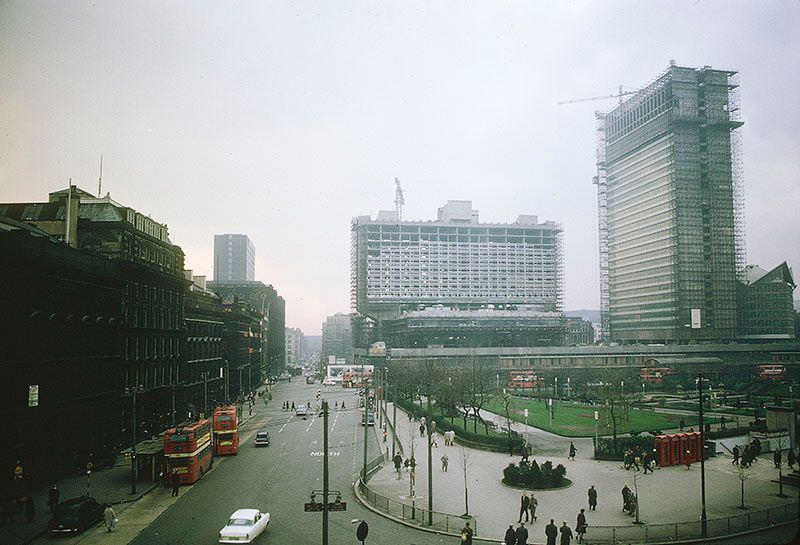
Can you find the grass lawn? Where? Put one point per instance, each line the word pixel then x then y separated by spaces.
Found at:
pixel 577 420
pixel 458 424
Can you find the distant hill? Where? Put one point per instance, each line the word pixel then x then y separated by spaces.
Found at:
pixel 587 314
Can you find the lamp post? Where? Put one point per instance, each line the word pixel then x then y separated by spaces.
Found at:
pixel 550 412
pixel 555 391
pixel 568 388
pixel 596 418
pixel 703 516
pixel 132 392
pixel 780 493
pixel 431 431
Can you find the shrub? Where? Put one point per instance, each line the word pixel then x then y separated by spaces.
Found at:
pixel 535 476
pixel 605 446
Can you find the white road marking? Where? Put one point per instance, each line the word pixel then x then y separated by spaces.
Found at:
pixel 285 424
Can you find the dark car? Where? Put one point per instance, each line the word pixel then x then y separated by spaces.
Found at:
pixel 76 515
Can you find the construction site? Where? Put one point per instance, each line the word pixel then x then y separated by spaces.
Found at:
pixel 670 209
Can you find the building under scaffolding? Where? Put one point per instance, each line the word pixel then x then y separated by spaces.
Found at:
pixel 670 209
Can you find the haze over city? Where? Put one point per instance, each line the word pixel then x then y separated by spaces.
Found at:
pixel 283 121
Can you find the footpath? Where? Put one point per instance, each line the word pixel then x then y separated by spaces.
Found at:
pixel 670 494
pixel 112 485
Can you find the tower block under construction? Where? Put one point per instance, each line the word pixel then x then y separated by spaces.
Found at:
pixel 670 209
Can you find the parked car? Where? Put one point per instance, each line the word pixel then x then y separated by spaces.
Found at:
pixel 75 515
pixel 329 382
pixel 244 526
pixel 262 438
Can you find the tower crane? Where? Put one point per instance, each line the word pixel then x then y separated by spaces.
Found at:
pixel 399 201
pixel 619 95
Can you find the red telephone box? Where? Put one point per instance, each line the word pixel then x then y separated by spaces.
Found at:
pixel 662 454
pixel 674 449
pixel 698 447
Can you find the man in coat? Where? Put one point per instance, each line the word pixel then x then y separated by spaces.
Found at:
pixel 466 534
pixel 735 455
pixel 566 534
pixel 551 531
pixel 580 526
pixel 511 536
pixel 52 498
pixel 524 505
pixel 592 498
pixel 522 534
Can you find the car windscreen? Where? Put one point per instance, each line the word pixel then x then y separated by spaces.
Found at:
pixel 68 509
pixel 240 522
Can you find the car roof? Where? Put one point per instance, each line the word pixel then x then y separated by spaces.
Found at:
pixel 263 431
pixel 73 501
pixel 244 513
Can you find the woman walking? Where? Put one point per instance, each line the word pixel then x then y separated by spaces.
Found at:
pixel 110 517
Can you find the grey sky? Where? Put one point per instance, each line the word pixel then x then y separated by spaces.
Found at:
pixel 282 120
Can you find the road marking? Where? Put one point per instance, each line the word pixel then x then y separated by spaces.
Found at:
pixel 330 453
pixel 285 424
pixel 335 420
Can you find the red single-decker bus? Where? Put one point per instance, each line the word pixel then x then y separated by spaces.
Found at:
pixel 188 451
pixel 226 434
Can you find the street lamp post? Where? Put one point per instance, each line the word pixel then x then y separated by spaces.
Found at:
pixel 555 393
pixel 550 412
pixel 431 431
pixel 703 516
pixel 596 418
pixel 132 392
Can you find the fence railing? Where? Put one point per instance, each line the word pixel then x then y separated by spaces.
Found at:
pixel 412 512
pixel 680 531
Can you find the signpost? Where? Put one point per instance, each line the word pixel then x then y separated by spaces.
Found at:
pixel 362 531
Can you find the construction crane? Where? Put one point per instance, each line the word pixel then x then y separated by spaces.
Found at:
pixel 399 201
pixel 618 95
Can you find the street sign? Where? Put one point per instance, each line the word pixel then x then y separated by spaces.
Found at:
pixel 312 507
pixel 362 531
pixel 33 395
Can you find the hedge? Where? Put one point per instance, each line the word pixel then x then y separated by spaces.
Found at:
pixel 605 446
pixel 535 476
pixel 498 443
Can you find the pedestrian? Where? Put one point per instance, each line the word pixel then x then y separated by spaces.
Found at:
pixel 30 509
pixel 526 451
pixel 412 462
pixel 52 498
pixel 580 526
pixel 626 459
pixel 406 463
pixel 522 534
pixel 791 459
pixel 466 534
pixel 566 534
pixel 398 463
pixel 445 461
pixel 343 405
pixel 293 405
pixel 688 459
pixel 551 531
pixel 385 435
pixel 682 423
pixel 510 448
pixel 533 504
pixel 110 517
pixel 572 450
pixel 524 505
pixel 176 481
pixel 626 497
pixel 636 462
pixel 511 536
pixel 776 458
pixel 422 430
pixel 735 455
pixel 646 463
pixel 592 493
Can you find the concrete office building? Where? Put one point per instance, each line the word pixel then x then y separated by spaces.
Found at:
pixel 295 342
pixel 670 209
pixel 337 338
pixel 234 259
pixel 400 268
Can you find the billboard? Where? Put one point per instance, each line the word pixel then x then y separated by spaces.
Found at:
pixel 337 372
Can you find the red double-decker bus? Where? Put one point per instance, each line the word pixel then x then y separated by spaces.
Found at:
pixel 226 434
pixel 654 375
pixel 524 379
pixel 188 450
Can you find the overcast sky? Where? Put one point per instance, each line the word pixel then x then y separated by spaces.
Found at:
pixel 282 120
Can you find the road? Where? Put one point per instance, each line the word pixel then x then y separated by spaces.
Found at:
pixel 279 479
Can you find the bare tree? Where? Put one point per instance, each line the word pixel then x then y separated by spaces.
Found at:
pixel 508 403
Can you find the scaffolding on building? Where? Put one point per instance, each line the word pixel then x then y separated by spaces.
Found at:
pixel 737 172
pixel 602 220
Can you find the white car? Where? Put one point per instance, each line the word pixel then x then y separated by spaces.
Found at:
pixel 329 382
pixel 244 526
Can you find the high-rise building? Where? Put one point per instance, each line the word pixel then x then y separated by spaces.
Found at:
pixel 670 209
pixel 295 342
pixel 337 338
pixel 442 272
pixel 234 259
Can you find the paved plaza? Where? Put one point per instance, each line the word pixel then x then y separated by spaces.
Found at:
pixel 670 494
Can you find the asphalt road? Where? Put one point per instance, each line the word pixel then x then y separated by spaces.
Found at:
pixel 279 479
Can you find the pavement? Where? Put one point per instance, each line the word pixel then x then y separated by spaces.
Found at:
pixel 671 494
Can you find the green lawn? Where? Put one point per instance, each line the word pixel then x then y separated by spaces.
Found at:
pixel 577 420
